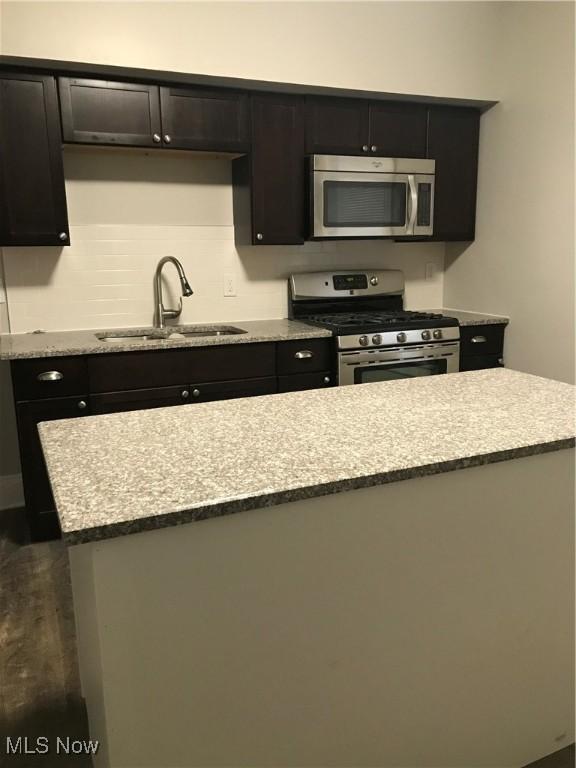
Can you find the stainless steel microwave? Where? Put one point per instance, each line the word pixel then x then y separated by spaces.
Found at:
pixel 371 196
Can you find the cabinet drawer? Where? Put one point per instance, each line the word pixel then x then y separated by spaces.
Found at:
pixel 227 390
pixel 49 377
pixel 296 383
pixel 305 356
pixel 478 362
pixel 164 368
pixel 482 339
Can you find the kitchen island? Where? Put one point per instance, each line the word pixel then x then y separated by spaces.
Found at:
pixel 324 613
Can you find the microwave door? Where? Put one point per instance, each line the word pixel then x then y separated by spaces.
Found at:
pixel 360 204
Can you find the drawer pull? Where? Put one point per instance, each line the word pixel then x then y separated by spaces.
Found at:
pixel 196 393
pixel 82 404
pixel 501 361
pixel 50 376
pixel 326 379
pixel 304 354
pixel 478 339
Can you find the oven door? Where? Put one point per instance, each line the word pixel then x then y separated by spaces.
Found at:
pixel 352 204
pixel 364 367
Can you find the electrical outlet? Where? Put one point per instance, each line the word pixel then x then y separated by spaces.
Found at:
pixel 430 270
pixel 229 284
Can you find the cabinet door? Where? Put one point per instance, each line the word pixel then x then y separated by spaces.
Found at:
pixel 139 399
pixel 227 390
pixel 398 130
pixel 299 382
pixel 269 199
pixel 103 112
pixel 453 142
pixel 37 491
pixel 337 126
pixel 196 118
pixel 32 192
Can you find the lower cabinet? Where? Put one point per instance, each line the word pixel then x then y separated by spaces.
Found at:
pixel 481 346
pixel 131 381
pixel 38 496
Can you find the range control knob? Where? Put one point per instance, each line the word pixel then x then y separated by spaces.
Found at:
pixel 401 337
pixel 363 341
pixel 373 280
pixel 377 339
pixel 426 335
pixel 437 333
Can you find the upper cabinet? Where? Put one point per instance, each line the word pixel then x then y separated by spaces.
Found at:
pixel 128 114
pixel 453 134
pixel 102 112
pixel 201 119
pixel 356 127
pixel 336 126
pixel 32 191
pixel 269 202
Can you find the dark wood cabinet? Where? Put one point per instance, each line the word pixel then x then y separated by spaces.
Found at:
pixel 37 493
pixel 398 130
pixel 337 126
pixel 356 127
pixel 32 192
pixel 201 119
pixel 453 135
pixel 269 199
pixel 481 346
pixel 105 112
pixel 299 382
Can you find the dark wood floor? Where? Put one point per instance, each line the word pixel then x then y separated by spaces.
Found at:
pixel 39 682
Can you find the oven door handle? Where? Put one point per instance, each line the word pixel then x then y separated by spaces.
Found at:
pixel 412 204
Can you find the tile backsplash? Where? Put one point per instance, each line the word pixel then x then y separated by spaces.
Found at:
pixel 127 210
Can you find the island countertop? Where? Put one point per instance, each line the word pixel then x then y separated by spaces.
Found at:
pixel 123 473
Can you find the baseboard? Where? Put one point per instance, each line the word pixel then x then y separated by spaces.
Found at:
pixel 11 491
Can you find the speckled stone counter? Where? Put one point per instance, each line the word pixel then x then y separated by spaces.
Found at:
pixel 58 343
pixel 123 473
pixel 471 318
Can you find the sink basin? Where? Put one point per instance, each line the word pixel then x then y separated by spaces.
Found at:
pixel 173 332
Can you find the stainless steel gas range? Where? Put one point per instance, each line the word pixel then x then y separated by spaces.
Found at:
pixel 376 338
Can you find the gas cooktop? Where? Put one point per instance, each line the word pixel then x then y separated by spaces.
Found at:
pixel 341 323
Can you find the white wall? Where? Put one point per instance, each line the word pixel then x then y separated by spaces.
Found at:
pixel 127 209
pixel 522 262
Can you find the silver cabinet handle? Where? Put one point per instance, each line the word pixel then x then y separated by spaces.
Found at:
pixel 157 138
pixel 478 339
pixel 63 236
pixel 167 138
pixel 196 393
pixel 185 394
pixel 82 404
pixel 304 354
pixel 501 361
pixel 259 236
pixel 327 379
pixel 50 376
pixel 374 148
pixel 365 148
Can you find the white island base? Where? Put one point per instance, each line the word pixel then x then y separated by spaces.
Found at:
pixel 422 623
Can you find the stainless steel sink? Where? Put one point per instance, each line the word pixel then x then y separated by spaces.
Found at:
pixel 128 336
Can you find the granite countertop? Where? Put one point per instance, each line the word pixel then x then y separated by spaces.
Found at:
pixel 471 318
pixel 119 473
pixel 18 346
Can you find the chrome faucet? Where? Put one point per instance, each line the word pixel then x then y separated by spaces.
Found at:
pixel 162 314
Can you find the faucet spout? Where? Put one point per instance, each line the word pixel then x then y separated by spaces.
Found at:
pixel 161 313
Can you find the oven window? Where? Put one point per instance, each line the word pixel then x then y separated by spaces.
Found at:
pixel 364 204
pixel 399 371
